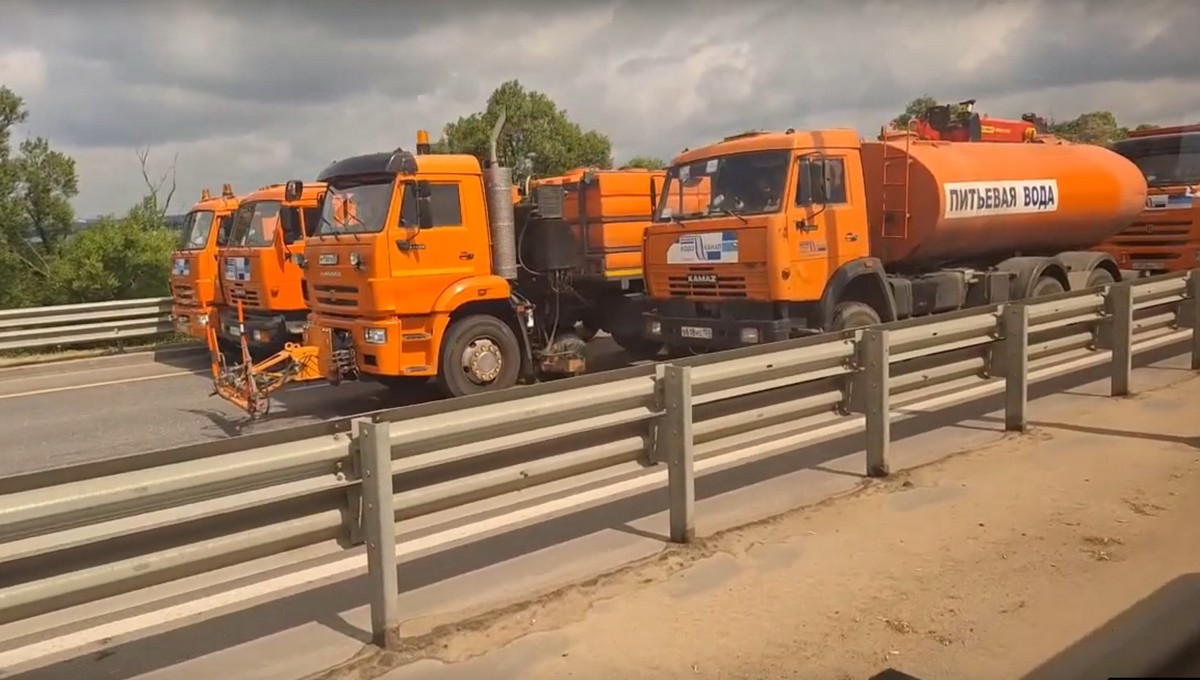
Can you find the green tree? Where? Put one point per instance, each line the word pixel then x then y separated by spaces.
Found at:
pixel 37 184
pixel 538 138
pixel 1095 127
pixel 915 108
pixel 647 162
pixel 118 258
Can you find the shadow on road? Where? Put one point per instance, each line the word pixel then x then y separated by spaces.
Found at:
pixel 324 603
pixel 1159 637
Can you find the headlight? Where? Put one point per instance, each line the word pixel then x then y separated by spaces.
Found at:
pixel 375 336
pixel 750 335
pixel 355 259
pixel 202 319
pixel 654 327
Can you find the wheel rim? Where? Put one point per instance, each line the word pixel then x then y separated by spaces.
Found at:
pixel 482 360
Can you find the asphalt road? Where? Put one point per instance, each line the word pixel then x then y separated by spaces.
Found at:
pixel 76 411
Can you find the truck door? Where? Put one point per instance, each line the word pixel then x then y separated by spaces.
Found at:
pixel 824 230
pixel 429 260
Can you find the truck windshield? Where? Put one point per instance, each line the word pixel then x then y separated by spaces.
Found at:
pixel 196 228
pixel 1170 160
pixel 741 184
pixel 359 209
pixel 255 224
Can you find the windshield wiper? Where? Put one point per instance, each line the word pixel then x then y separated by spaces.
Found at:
pixel 729 213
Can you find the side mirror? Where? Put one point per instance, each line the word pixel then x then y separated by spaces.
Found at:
pixel 289 220
pixel 424 189
pixel 293 190
pixel 424 211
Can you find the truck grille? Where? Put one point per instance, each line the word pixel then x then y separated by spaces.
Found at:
pixel 335 296
pixel 239 291
pixel 183 292
pixel 712 283
pixel 1154 234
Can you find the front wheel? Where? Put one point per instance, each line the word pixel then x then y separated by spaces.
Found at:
pixel 638 348
pixel 480 353
pixel 852 314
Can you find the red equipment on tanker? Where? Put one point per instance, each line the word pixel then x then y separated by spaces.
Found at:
pixel 959 123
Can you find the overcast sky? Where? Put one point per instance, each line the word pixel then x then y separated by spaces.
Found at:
pixel 262 90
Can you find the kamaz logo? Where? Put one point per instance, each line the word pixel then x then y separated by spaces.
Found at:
pixel 702 278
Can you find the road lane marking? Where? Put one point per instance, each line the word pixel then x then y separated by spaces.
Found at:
pixel 122 381
pixel 113 630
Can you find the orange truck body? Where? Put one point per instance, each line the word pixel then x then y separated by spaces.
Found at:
pixel 1166 236
pixel 441 276
pixel 193 279
pixel 817 231
pixel 259 269
pixel 960 123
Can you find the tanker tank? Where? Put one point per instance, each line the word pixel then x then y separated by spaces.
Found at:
pixel 977 202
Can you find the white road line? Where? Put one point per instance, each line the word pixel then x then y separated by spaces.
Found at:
pixel 114 629
pixel 122 381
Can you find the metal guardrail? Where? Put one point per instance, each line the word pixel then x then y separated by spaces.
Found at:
pixel 37 327
pixel 82 533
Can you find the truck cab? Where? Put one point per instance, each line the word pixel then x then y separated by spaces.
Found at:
pixel 193 279
pixel 400 275
pixel 260 270
pixel 1166 238
pixel 739 245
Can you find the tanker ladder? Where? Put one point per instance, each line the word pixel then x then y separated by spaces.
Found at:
pixel 249 385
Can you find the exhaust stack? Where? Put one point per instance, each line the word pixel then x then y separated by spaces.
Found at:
pixel 498 186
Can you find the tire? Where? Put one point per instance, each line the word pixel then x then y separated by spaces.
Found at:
pixel 849 315
pixel 1047 285
pixel 1100 277
pixel 485 338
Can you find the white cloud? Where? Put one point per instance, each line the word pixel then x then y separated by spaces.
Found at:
pixel 254 93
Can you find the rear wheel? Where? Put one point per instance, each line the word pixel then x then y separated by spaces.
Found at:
pixel 1100 277
pixel 852 314
pixel 479 354
pixel 1047 285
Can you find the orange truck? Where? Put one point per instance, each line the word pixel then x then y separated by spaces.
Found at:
pixel 260 272
pixel 424 266
pixel 807 232
pixel 194 266
pixel 1166 236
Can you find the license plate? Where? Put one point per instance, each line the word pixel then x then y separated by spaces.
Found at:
pixel 1146 265
pixel 698 332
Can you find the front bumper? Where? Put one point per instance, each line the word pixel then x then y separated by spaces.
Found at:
pixel 712 334
pixel 191 321
pixel 264 330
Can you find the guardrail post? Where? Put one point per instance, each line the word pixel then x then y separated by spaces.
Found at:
pixel 871 382
pixel 676 444
pixel 1193 318
pixel 379 520
pixel 1117 335
pixel 1014 319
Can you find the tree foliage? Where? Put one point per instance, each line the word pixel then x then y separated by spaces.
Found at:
pixel 915 108
pixel 44 258
pixel 538 138
pixel 645 162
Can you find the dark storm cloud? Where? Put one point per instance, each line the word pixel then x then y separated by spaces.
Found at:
pixel 307 81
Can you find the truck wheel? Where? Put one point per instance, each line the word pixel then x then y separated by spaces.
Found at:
pixel 479 354
pixel 585 331
pixel 1100 277
pixel 849 315
pixel 1047 285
